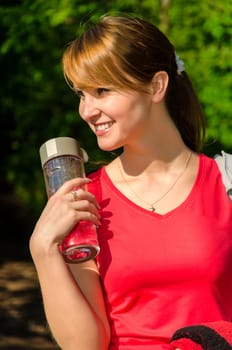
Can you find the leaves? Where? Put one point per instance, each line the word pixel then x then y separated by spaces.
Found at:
pixel 37 104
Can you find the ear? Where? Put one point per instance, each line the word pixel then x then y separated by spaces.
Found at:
pixel 159 86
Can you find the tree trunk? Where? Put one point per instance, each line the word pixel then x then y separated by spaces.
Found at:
pixel 164 19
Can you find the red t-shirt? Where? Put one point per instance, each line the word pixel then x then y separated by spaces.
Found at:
pixel 163 272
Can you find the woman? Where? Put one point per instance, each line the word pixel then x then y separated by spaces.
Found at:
pixel 163 213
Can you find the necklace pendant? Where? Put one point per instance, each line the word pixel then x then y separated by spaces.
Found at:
pixel 152 209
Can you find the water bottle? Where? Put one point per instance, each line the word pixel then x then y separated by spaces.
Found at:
pixel 62 160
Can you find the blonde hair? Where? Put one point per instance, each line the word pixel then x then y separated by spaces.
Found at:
pixel 126 52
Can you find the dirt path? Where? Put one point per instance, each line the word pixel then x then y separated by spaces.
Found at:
pixel 22 321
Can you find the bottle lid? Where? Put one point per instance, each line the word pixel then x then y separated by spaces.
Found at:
pixel 59 146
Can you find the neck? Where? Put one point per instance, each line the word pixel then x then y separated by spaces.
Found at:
pixel 154 149
pixel 175 178
pixel 153 162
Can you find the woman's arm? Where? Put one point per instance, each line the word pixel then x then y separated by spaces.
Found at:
pixel 72 295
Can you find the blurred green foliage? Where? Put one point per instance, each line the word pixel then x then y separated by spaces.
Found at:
pixel 37 104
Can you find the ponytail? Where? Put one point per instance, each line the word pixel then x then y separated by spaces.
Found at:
pixel 185 110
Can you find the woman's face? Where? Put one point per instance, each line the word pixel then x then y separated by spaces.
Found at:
pixel 117 118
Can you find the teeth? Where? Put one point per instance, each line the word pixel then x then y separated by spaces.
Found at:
pixel 103 126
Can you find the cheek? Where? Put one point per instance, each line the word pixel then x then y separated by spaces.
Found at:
pixel 138 112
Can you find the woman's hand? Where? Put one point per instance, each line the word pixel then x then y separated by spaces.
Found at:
pixel 69 205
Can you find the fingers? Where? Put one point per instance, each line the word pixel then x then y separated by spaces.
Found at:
pixel 87 215
pixel 64 209
pixel 80 194
pixel 84 203
pixel 70 185
pixel 76 189
pixel 75 195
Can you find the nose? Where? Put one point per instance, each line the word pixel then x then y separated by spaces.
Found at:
pixel 88 107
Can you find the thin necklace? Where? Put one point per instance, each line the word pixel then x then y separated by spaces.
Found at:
pixel 151 205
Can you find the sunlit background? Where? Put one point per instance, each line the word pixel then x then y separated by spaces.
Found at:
pixel 36 104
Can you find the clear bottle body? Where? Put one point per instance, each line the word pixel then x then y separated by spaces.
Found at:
pixel 81 244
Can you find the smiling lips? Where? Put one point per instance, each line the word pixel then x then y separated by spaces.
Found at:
pixel 101 128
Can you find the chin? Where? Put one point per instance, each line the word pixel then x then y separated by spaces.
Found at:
pixel 108 148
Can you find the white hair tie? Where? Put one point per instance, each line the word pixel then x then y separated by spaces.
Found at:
pixel 180 64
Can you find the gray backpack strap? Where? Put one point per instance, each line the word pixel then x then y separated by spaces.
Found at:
pixel 224 162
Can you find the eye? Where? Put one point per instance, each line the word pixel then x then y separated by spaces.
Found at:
pixel 100 91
